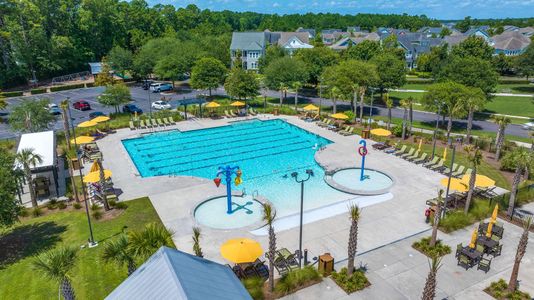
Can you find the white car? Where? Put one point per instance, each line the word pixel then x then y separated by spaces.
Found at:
pixel 161 105
pixel 528 126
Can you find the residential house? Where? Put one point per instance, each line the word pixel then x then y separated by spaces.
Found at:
pixel 510 28
pixel 510 43
pixel 480 31
pixel 311 32
pixel 526 31
pixel 354 29
pixel 290 41
pixel 431 31
pixel 454 39
pixel 344 43
pixel 248 47
pixel 415 44
pixel 330 36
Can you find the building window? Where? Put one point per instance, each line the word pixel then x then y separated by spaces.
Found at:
pixel 253 65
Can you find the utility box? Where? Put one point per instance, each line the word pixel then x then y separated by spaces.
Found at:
pixel 326 264
pixel 275 112
pixel 365 134
pixel 75 164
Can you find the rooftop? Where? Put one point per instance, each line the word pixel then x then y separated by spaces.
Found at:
pixel 43 143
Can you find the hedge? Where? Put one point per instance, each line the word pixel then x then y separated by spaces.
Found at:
pixel 38 91
pixel 67 87
pixel 12 94
pixel 89 84
pixel 513 81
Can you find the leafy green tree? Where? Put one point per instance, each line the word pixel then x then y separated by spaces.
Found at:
pixel 389 104
pixel 57 264
pixel 445 32
pixel 28 159
pixel 336 83
pixel 3 102
pixel 9 207
pixel 391 71
pixel 115 95
pixel 118 251
pixel 208 73
pixel 470 71
pixel 360 75
pixel 31 116
pixel 316 59
pixel 503 64
pixel 473 46
pixel 525 62
pixel 364 50
pixel 283 72
pixel 171 67
pixel 105 77
pixel 120 59
pixel 434 60
pixel 241 84
pixel 146 242
pixel 465 24
pixel 272 52
pixel 475 99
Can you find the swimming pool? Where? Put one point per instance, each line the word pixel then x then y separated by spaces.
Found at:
pixel 266 151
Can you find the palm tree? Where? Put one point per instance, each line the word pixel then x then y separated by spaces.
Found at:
pixel 502 122
pixel 404 104
pixel 475 158
pixel 411 101
pixel 296 86
pixel 146 242
pixel 64 113
pixel 102 183
pixel 269 214
pixel 389 104
pixel 523 159
pixel 429 293
pixel 283 89
pixel 521 249
pixel 118 251
pixel 334 92
pixel 3 103
pixel 354 212
pixel 196 242
pixel 475 100
pixel 28 158
pixel 437 216
pixel 56 264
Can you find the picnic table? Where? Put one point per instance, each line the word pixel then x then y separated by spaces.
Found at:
pixel 496 230
pixel 471 253
pixel 487 242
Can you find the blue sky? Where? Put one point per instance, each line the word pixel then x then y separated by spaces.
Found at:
pixel 440 9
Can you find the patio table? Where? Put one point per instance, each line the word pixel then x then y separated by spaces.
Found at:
pixel 472 254
pixel 497 230
pixel 488 243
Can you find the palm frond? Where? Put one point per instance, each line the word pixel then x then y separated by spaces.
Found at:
pixel 56 263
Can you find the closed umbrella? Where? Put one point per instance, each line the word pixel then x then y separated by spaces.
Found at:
pixel 420 144
pixel 445 153
pixel 242 250
pixel 494 214
pixel 490 227
pixel 473 238
pixel 380 132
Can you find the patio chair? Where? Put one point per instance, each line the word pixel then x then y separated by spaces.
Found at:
pixel 448 170
pixel 142 124
pixel 411 157
pixel 459 248
pixel 484 264
pixel 238 271
pixel 464 261
pixel 154 123
pixel 432 162
pixel 401 151
pixel 421 159
pixel 172 121
pixel 166 122
pixel 438 166
pixel 458 172
pixel 261 269
pixel 479 248
pixel 280 265
pixel 289 258
pixel 350 131
pixel 250 271
pixel 495 251
pixel 488 193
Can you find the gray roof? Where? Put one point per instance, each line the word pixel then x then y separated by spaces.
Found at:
pixel 173 274
pixel 417 43
pixel 511 40
pixel 454 39
pixel 248 40
pixel 482 29
pixel 431 30
pixel 308 30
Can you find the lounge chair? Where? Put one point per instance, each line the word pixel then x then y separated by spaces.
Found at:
pixel 227 114
pixel 438 166
pixel 448 170
pixel 289 258
pixel 414 156
pixel 324 123
pixel 132 127
pixel 148 124
pixel 468 171
pixel 250 271
pixel 172 121
pixel 252 112
pixel 401 151
pixel 315 117
pixel 154 123
pixel 404 155
pixel 167 123
pixel 231 112
pixel 142 124
pixel 458 172
pixel 432 162
pixel 160 123
pixel 304 116
pixel 349 131
pixel 421 159
pixel 280 265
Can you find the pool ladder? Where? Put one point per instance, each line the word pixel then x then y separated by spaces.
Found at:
pixel 255 193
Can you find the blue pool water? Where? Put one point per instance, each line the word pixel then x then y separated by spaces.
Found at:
pixel 266 151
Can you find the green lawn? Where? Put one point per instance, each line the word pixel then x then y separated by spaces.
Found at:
pixel 517 88
pixel 92 278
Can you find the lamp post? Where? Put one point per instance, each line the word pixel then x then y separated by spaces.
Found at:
pixel 295 176
pixel 92 242
pixel 320 97
pixel 435 131
pixel 371 108
pixel 453 146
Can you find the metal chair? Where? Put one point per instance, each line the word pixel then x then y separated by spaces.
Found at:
pixel 464 261
pixel 459 248
pixel 496 251
pixel 480 248
pixel 484 264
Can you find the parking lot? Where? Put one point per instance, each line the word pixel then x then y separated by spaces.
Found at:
pixel 140 98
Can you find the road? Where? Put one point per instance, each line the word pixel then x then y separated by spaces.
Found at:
pixel 140 98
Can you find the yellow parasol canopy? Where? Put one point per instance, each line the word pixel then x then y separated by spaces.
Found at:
pixel 93 177
pixel 480 180
pixel 340 116
pixel 100 119
pixel 490 227
pixel 494 214
pixel 94 167
pixel 82 140
pixel 237 103
pixel 212 104
pixel 473 238
pixel 311 107
pixel 456 184
pixel 380 132
pixel 241 250
pixel 87 124
pixel 445 153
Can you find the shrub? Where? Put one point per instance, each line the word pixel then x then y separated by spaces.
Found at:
pixel 349 114
pixel 254 286
pixel 12 94
pixel 457 219
pixel 37 212
pixel 89 84
pixel 121 205
pixel 97 214
pixel 499 290
pixel 507 162
pixel 38 91
pixel 51 206
pixel 350 284
pixel 397 130
pixel 95 207
pixel 62 205
pixel 112 203
pixel 23 212
pixel 66 87
pixel 438 250
pixel 295 279
pixel 77 205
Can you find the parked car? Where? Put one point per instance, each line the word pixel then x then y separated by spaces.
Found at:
pixel 132 108
pixel 96 114
pixel 528 126
pixel 81 105
pixel 53 109
pixel 160 87
pixel 161 105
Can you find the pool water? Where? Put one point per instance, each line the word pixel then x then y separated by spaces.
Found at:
pixel 249 215
pixel 374 180
pixel 266 151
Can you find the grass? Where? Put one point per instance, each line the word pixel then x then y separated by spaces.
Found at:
pixel 513 88
pixel 91 277
pixel 498 290
pixel 350 284
pixel 439 249
pixel 454 220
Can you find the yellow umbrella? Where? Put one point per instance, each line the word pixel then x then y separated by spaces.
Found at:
pixel 82 140
pixel 445 153
pixel 456 184
pixel 311 107
pixel 237 103
pixel 241 250
pixel 100 119
pixel 340 116
pixel 94 167
pixel 420 144
pixel 494 214
pixel 490 227
pixel 380 132
pixel 87 124
pixel 480 180
pixel 212 104
pixel 473 238
pixel 93 177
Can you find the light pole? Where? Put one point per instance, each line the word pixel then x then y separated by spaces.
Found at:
pixel 435 131
pixel 92 242
pixel 453 146
pixel 371 108
pixel 320 97
pixel 295 176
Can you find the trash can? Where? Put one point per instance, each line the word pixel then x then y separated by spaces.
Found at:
pixel 75 164
pixel 365 134
pixel 275 111
pixel 326 264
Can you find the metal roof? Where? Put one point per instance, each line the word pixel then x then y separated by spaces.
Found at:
pixel 42 143
pixel 248 41
pixel 173 274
